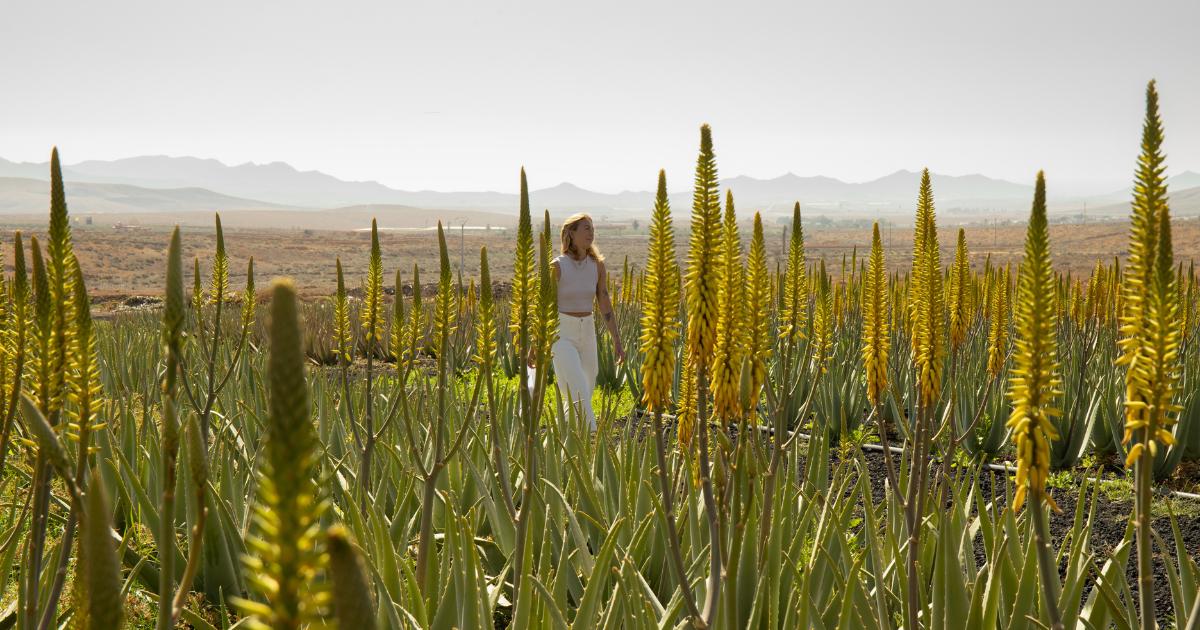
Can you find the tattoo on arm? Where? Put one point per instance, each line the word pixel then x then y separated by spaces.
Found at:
pixel 608 316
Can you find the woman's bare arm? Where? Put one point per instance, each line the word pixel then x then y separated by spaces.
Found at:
pixel 606 309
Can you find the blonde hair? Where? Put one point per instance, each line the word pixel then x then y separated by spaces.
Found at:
pixel 568 228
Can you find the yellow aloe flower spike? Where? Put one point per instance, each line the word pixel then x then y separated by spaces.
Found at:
pixel 1034 382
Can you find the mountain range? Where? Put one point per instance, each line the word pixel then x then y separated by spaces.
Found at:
pixel 23 195
pixel 180 184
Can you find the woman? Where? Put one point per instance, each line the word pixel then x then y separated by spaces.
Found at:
pixel 582 281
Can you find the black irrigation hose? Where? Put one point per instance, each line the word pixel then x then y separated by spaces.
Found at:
pixel 997 467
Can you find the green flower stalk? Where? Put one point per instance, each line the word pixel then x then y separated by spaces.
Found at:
pixel 660 306
pixel 876 330
pixel 50 348
pixel 703 282
pixel 914 296
pixel 197 293
pixel 1150 338
pixel 51 456
pixel 704 275
pixel 960 293
pixel 1077 302
pixel 396 341
pixel 877 342
pixel 929 301
pixel 794 312
pixel 927 314
pixel 523 306
pixel 173 308
pixel 730 346
pixel 84 391
pixel 998 325
pixel 371 315
pixel 466 306
pixel 172 339
pixel 45 393
pixel 286 552
pixel 218 295
pixel 1035 382
pixel 415 334
pixel 445 306
pixel 371 320
pixel 1148 345
pixel 686 407
pixel 1094 301
pixel 249 299
pixel 14 342
pixel 445 441
pixel 485 319
pixel 629 282
pixel 61 266
pixel 1154 376
pixel 98 578
pixel 1149 196
pixel 218 285
pixel 1187 303
pixel 1034 391
pixel 485 357
pixel 523 300
pixel 59 248
pixel 546 309
pixel 217 370
pixel 758 303
pixel 822 329
pixel 343 344
pixel 342 335
pixel 351 591
pixel 198 474
pixel 5 298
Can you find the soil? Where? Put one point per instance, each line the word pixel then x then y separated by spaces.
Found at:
pixel 122 262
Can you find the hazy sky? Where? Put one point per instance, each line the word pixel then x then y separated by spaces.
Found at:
pixel 457 96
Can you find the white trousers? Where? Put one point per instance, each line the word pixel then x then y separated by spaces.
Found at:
pixel 576 364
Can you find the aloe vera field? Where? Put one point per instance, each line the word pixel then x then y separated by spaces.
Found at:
pixel 841 443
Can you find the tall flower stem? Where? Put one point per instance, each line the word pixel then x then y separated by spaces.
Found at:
pixel 713 594
pixel 673 547
pixel 1034 389
pixel 1046 564
pixel 912 514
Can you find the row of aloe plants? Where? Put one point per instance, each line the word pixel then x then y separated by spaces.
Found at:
pixel 194 462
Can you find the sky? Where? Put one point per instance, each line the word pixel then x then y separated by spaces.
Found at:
pixel 452 96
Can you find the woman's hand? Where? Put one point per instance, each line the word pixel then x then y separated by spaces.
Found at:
pixel 620 354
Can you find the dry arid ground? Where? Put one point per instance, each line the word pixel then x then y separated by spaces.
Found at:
pixel 119 263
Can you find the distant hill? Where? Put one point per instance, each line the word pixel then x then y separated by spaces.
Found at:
pixel 279 183
pixel 1180 182
pixel 1184 180
pixel 1185 202
pixel 19 195
pixel 898 190
pixel 23 196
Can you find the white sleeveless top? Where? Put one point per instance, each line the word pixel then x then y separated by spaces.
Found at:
pixel 576 284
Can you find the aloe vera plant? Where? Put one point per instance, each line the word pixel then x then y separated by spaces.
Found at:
pixel 389 462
